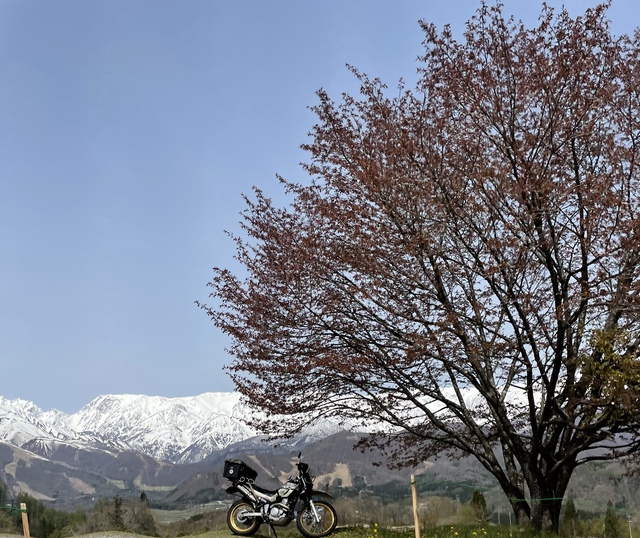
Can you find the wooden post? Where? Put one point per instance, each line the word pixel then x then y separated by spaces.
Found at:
pixel 25 520
pixel 414 496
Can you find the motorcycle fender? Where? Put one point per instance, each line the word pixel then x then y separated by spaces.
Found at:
pixel 322 494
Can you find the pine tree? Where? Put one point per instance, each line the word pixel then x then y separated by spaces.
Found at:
pixel 569 519
pixel 5 521
pixel 611 523
pixel 479 506
pixel 118 521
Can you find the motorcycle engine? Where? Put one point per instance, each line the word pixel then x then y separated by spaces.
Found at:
pixel 279 513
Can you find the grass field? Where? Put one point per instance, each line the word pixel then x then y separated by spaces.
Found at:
pixel 171 516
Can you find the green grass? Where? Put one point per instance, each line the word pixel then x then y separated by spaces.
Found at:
pixel 373 531
pixel 449 531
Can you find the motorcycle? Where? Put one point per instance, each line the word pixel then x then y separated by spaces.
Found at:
pixel 295 499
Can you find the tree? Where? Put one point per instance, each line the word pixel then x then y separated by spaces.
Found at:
pixel 4 489
pixel 118 519
pixel 141 520
pixel 570 520
pixel 611 523
pixel 479 507
pixel 5 508
pixel 461 271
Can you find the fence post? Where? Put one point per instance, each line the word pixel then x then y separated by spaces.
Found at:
pixel 25 520
pixel 414 496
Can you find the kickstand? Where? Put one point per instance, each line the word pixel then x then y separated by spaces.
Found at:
pixel 273 529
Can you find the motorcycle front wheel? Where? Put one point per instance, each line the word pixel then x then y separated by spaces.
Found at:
pixel 238 523
pixel 323 525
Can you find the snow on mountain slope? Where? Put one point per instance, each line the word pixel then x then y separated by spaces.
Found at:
pixel 21 421
pixel 171 429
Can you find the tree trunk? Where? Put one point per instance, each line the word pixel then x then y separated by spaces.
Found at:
pixel 547 496
pixel 545 514
pixel 522 511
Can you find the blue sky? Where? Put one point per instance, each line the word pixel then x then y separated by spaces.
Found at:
pixel 129 130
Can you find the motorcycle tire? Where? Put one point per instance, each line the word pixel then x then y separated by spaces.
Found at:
pixel 310 527
pixel 237 523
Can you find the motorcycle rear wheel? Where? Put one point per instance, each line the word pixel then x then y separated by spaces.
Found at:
pixel 310 527
pixel 238 523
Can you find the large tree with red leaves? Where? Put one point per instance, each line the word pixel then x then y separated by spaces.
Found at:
pixel 463 267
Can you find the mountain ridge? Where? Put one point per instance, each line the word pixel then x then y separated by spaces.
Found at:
pixel 125 443
pixel 173 449
pixel 180 430
pixel 176 430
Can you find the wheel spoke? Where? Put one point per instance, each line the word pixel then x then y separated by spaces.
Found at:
pixel 320 522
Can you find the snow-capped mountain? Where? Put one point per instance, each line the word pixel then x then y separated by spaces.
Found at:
pixel 124 444
pixel 177 430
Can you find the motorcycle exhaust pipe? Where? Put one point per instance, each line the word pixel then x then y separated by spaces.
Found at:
pixel 251 514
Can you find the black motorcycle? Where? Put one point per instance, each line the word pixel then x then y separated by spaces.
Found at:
pixel 295 499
